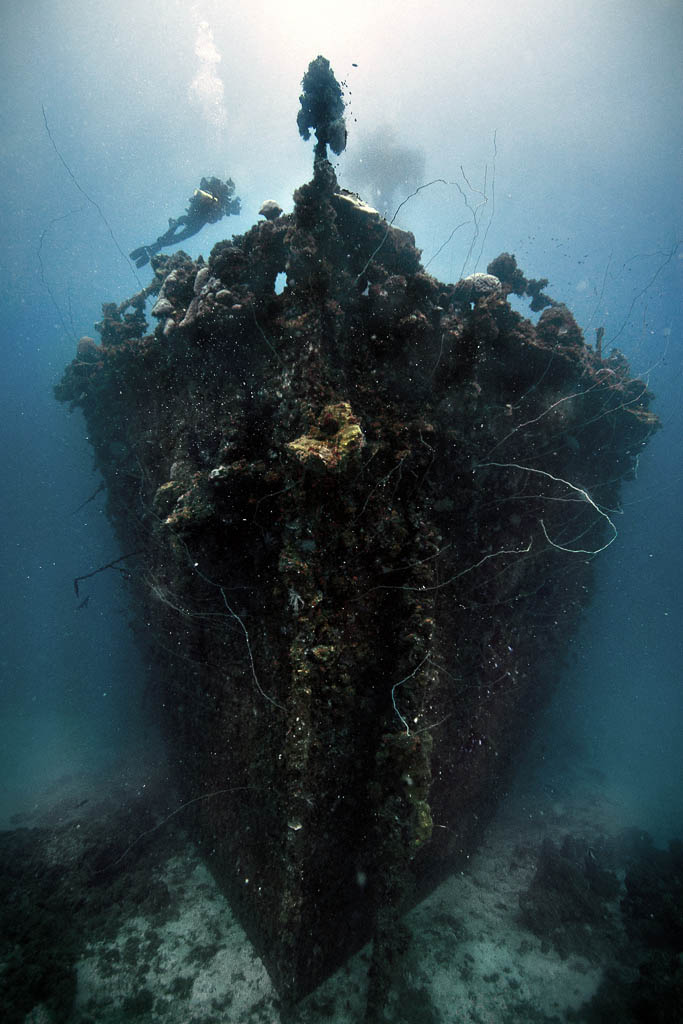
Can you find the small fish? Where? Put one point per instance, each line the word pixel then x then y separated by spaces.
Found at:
pixel 84 603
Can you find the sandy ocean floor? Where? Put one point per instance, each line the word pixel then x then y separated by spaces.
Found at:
pixel 157 943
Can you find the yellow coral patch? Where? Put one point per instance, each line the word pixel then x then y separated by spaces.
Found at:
pixel 332 441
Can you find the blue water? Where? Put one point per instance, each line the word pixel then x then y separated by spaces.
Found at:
pixel 559 123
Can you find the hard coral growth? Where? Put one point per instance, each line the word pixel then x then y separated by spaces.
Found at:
pixel 475 287
pixel 322 108
pixel 513 280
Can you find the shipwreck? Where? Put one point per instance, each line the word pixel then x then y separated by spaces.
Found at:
pixel 365 510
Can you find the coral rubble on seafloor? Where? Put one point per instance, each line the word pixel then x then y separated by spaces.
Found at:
pixel 366 510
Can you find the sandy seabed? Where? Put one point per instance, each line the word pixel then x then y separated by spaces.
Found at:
pixel 153 940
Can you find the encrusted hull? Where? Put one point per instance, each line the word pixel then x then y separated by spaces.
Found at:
pixel 365 512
